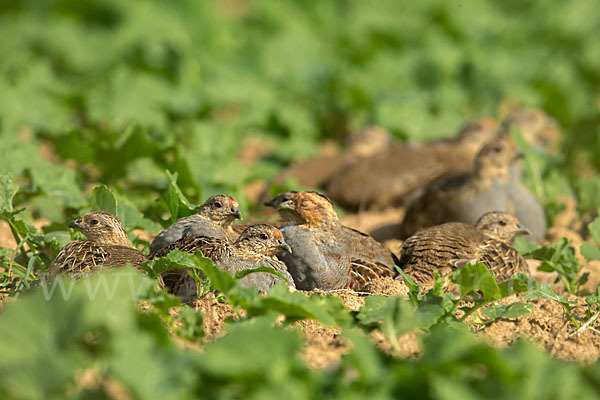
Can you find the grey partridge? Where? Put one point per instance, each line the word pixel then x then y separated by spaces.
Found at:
pixel 315 171
pixel 107 245
pixel 214 219
pixel 390 176
pixel 258 245
pixel 325 254
pixel 490 186
pixel 538 128
pixel 449 246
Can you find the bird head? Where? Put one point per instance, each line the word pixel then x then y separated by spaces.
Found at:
pixel 221 209
pixel 263 239
pixel 101 227
pixel 501 225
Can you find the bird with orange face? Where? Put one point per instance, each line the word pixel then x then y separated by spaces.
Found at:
pixel 325 254
pixel 257 246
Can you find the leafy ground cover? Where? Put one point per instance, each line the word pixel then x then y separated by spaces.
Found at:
pixel 146 108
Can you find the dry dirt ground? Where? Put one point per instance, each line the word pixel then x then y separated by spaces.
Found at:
pixel 547 324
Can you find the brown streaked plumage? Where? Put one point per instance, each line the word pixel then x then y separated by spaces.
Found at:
pixel 214 219
pixel 464 198
pixel 258 245
pixel 392 175
pixel 449 246
pixel 326 255
pixel 315 171
pixel 106 245
pixel 537 128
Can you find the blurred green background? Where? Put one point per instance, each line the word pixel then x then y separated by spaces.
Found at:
pixel 116 92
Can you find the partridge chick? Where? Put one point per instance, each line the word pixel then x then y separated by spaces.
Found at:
pixel 325 254
pixel 489 187
pixel 214 219
pixel 449 246
pixel 390 176
pixel 258 245
pixel 107 244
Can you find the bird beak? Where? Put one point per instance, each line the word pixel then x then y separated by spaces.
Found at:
pixel 75 224
pixel 284 246
pixel 270 202
pixel 519 155
pixel 522 231
pixel 286 205
pixel 236 213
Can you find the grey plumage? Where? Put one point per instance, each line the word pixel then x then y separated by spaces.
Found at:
pixel 214 219
pixel 326 255
pixel 255 247
pixel 490 186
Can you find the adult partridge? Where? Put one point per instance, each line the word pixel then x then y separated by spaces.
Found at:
pixel 538 128
pixel 258 245
pixel 214 219
pixel 489 187
pixel 107 245
pixel 315 171
pixel 325 254
pixel 449 246
pixel 392 175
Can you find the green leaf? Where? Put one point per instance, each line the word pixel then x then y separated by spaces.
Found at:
pixel 7 192
pixel 175 201
pixel 514 310
pixel 590 251
pixel 262 268
pixel 373 312
pixel 328 310
pixel 104 199
pixel 546 292
pixel 473 278
pixel 594 229
pixel 192 323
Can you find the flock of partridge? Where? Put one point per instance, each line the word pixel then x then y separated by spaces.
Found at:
pixel 464 198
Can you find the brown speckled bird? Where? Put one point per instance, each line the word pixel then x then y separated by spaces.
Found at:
pixel 490 186
pixel 392 175
pixel 538 128
pixel 449 246
pixel 107 245
pixel 315 171
pixel 214 219
pixel 258 245
pixel 325 254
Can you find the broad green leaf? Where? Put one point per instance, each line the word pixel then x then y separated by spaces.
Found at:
pixel 590 251
pixel 175 201
pixel 474 278
pixel 373 311
pixel 594 228
pixel 514 310
pixel 104 199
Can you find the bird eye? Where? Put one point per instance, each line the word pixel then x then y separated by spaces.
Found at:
pixel 94 222
pixel 218 204
pixel 263 236
pixel 503 223
pixel 306 203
